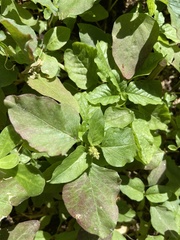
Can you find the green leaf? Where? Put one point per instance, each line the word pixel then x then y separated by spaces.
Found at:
pixel 80 66
pixel 117 235
pixel 42 235
pixel 170 53
pixel 11 194
pixel 134 35
pixel 126 213
pixel 56 38
pixel 158 194
pixel 156 175
pixel 118 146
pixel 163 220
pixel 170 32
pixel 174 10
pixel 24 36
pixel 104 70
pixel 86 110
pixel 48 4
pixel 103 95
pixel 73 7
pixel 9 161
pixel 8 72
pixel 53 88
pixel 151 7
pixel 173 206
pixel 96 128
pixel 133 188
pixel 23 230
pixel 90 34
pixel 46 125
pixel 8 140
pixel 93 202
pixel 49 65
pixel 12 10
pixel 144 140
pixel 157 116
pixel 29 178
pixel 22 182
pixel 117 117
pixel 71 167
pixel 150 63
pixel 144 92
pixel 95 14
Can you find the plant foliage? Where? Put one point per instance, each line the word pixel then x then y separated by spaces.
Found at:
pixel 89 133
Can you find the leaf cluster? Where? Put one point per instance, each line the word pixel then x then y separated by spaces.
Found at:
pixel 89 133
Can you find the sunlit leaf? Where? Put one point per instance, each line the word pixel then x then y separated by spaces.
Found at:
pixel 134 35
pixel 133 188
pixel 23 35
pixel 118 146
pixel 53 88
pixel 86 200
pixel 56 37
pixel 49 65
pixel 48 4
pixel 91 34
pixel 23 230
pixel 9 161
pixel 8 140
pixel 13 10
pixel 96 13
pixel 46 125
pixel 71 167
pixel 103 95
pixel 158 193
pixel 96 128
pixel 141 92
pixel 13 190
pixel 79 63
pixel 163 220
pixel 73 7
pixel 117 117
pixel 144 140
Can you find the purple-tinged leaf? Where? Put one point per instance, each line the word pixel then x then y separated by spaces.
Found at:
pixel 91 199
pixel 134 35
pixel 46 125
pixel 24 230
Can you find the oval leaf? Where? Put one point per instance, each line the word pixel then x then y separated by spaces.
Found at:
pixel 133 188
pixel 118 146
pixel 158 194
pixel 46 125
pixel 134 35
pixel 103 95
pixel 9 161
pixel 80 66
pixel 24 230
pixel 163 220
pixel 53 88
pixel 73 7
pixel 56 38
pixel 71 167
pixel 93 202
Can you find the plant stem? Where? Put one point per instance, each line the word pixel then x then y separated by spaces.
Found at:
pixel 161 65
